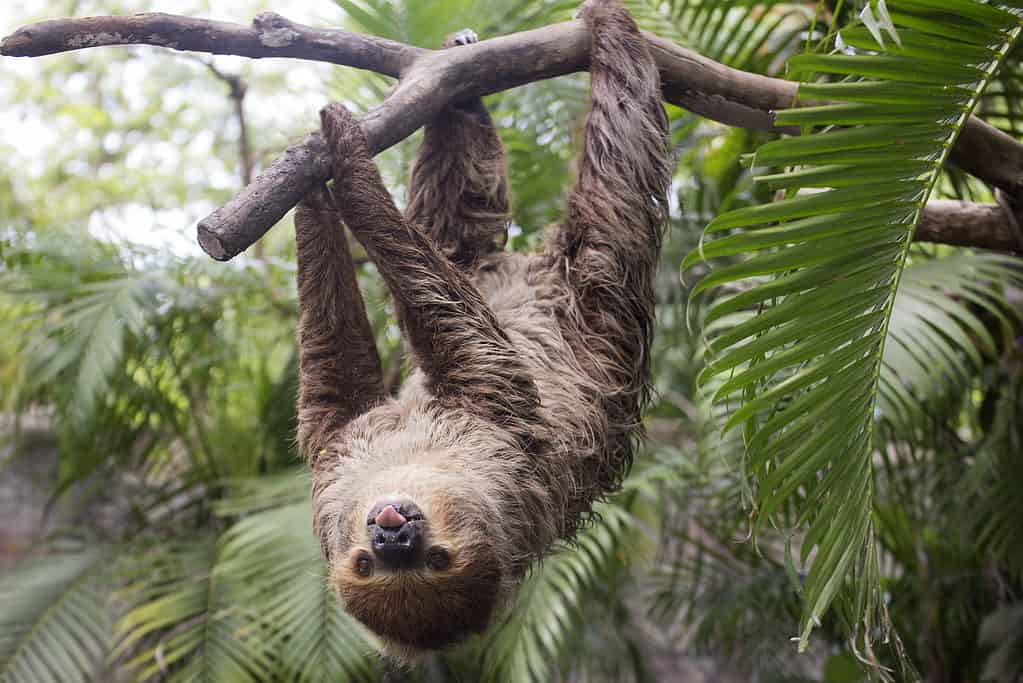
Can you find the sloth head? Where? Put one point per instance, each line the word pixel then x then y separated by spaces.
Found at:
pixel 415 559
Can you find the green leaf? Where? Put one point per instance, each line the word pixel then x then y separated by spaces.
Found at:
pixel 818 275
pixel 939 342
pixel 54 618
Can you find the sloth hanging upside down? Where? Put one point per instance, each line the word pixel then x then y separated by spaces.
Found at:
pixel 530 371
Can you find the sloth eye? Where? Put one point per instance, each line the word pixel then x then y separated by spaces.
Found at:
pixel 438 559
pixel 364 566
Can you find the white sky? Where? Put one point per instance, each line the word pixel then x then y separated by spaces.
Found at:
pixel 306 93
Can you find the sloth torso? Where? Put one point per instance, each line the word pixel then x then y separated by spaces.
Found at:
pixel 545 494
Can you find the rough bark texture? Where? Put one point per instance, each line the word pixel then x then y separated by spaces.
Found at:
pixel 986 226
pixel 431 81
pixel 991 155
pixel 270 35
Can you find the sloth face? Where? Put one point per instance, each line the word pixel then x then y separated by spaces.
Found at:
pixel 420 572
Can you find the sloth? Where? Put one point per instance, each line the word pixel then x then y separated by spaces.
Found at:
pixel 529 371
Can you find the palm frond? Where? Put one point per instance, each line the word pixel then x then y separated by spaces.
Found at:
pixel 822 271
pixel 535 124
pixel 993 506
pixel 938 336
pixel 54 618
pixel 537 639
pixel 256 494
pixel 1002 105
pixel 187 624
pixel 275 560
pixel 253 605
pixel 745 35
pixel 427 23
pixel 78 315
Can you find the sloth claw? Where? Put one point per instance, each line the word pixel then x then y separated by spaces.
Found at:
pixel 464 37
pixel 344 135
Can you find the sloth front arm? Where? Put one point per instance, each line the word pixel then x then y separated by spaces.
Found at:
pixel 455 338
pixel 341 373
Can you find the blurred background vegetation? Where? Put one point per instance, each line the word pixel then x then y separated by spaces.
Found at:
pixel 155 518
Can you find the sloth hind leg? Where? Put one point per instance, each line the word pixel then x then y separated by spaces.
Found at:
pixel 610 239
pixel 458 191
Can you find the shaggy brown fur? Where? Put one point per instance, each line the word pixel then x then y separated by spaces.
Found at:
pixel 459 188
pixel 530 370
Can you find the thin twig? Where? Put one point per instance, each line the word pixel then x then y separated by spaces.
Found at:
pixel 237 90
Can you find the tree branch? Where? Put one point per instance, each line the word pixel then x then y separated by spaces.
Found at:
pixel 430 80
pixel 966 224
pixel 987 153
pixel 237 90
pixel 271 35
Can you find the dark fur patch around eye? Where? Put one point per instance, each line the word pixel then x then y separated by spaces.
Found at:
pixel 438 559
pixel 364 566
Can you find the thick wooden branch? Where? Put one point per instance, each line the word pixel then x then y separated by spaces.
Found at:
pixel 966 224
pixel 430 80
pixel 987 153
pixel 270 35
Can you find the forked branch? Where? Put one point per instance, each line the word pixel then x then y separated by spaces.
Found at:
pixel 430 80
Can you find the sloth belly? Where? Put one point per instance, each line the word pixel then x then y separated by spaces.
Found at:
pixel 532 304
pixel 528 300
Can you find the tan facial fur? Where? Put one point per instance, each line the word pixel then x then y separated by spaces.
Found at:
pixel 426 606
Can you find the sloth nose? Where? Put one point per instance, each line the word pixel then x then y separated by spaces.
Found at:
pixel 394 531
pixel 394 511
pixel 389 518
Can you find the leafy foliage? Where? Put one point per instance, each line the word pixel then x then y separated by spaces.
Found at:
pixel 823 270
pixel 55 619
pixel 248 606
pixel 938 342
pixel 877 385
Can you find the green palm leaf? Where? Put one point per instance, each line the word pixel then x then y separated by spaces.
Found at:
pixel 822 271
pixel 993 506
pixel 1001 104
pixel 252 606
pixel 541 632
pixel 937 337
pixel 186 623
pixel 54 623
pixel 276 560
pixel 427 23
pixel 80 316
pixel 744 35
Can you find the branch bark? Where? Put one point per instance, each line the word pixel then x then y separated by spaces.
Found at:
pixel 966 224
pixel 430 80
pixel 271 35
pixel 237 90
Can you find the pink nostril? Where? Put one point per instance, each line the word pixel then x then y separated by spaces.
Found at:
pixel 389 518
